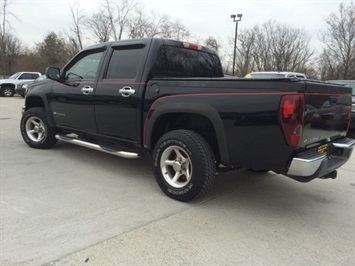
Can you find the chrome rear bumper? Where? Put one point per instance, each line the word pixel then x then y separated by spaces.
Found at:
pixel 311 164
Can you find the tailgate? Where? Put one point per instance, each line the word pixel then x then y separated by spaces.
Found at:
pixel 327 112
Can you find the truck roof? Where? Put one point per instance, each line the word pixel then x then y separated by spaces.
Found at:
pixel 144 41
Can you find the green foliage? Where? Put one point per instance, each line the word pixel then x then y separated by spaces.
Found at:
pixel 52 51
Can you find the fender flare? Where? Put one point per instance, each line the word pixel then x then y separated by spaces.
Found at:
pixel 45 106
pixel 200 109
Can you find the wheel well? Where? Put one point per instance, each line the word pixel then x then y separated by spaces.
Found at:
pixel 8 85
pixel 194 122
pixel 34 101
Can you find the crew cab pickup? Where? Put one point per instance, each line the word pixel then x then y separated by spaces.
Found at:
pixel 169 99
pixel 8 86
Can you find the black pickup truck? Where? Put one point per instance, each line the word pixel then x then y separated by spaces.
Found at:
pixel 170 100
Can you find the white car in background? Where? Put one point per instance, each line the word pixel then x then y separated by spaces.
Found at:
pixel 8 86
pixel 275 75
pixel 23 88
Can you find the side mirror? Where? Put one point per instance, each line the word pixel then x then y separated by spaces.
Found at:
pixel 53 73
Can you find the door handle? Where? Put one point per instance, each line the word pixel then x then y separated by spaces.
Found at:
pixel 86 90
pixel 126 91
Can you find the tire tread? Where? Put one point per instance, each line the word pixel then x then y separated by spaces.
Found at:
pixel 207 159
pixel 50 138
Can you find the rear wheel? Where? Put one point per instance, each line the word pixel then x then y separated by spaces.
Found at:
pixel 35 129
pixel 184 165
pixel 7 91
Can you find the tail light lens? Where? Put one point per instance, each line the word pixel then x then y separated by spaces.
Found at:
pixel 292 118
pixel 192 46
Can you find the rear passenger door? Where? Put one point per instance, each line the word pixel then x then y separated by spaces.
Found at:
pixel 117 97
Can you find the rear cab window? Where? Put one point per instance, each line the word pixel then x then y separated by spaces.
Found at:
pixel 173 61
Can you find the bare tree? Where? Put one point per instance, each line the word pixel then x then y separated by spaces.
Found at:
pixel 248 51
pixel 143 25
pixel 138 29
pixel 179 31
pixel 337 60
pixel 212 43
pixel 156 22
pixel 147 25
pixel 76 28
pixel 290 47
pixel 13 49
pixel 99 26
pixel 118 14
pixel 4 34
pixel 111 20
pixel 10 45
pixel 150 24
pixel 273 47
pixel 4 16
pixel 166 28
pixel 28 60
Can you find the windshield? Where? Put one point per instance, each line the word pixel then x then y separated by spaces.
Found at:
pixel 15 76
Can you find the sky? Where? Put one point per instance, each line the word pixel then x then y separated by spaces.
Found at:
pixel 35 18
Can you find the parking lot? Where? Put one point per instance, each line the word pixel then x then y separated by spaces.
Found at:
pixel 74 206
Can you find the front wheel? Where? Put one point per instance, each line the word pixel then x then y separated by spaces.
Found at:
pixel 7 91
pixel 184 165
pixel 35 129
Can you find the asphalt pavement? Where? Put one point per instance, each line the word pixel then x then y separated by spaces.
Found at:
pixel 73 206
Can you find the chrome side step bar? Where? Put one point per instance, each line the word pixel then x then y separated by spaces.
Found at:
pixel 124 154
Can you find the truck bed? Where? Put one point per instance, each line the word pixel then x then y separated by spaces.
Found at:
pixel 250 114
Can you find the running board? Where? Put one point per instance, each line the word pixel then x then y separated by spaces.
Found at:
pixel 124 154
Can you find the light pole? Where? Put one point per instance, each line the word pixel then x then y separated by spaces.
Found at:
pixel 239 18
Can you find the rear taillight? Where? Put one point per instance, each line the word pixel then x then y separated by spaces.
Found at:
pixel 292 118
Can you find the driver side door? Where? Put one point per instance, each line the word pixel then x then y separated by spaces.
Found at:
pixel 72 99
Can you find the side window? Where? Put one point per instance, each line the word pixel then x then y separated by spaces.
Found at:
pixel 34 76
pixel 85 68
pixel 124 64
pixel 25 76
